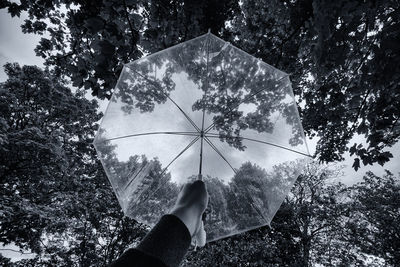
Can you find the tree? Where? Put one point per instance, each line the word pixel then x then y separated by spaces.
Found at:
pixel 235 80
pixel 218 222
pixel 321 211
pixel 309 228
pixel 43 127
pixel 342 56
pixel 53 187
pixel 338 67
pixel 104 35
pixel 375 226
pixel 249 200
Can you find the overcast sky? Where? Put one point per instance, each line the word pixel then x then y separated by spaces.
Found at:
pixel 18 47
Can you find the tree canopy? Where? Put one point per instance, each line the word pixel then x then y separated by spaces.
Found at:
pixel 54 193
pixel 375 227
pixel 53 187
pixel 320 222
pixel 342 56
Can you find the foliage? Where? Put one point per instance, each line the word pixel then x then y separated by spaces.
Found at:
pixel 53 188
pixel 54 192
pixel 234 78
pixel 254 248
pixel 343 59
pixel 308 229
pixel 376 226
pixel 321 222
pixel 102 35
pixel 342 55
pixel 347 81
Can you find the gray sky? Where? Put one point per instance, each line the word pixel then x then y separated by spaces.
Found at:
pixel 14 45
pixel 165 147
pixel 18 47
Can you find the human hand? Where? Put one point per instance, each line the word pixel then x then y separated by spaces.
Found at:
pixel 190 205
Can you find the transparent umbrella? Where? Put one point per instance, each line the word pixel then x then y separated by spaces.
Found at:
pixel 202 109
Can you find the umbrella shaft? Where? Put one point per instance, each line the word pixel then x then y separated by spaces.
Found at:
pixel 201 155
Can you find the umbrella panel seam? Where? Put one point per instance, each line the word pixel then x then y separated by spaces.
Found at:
pixel 165 169
pixel 150 133
pixel 219 153
pixel 259 141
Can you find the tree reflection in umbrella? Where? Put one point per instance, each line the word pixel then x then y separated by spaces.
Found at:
pixel 202 109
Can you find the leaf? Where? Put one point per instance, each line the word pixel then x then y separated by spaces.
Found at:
pixel 362 128
pixel 94 24
pixel 367 159
pixel 356 164
pixel 353 149
pixel 72 68
pixel 355 101
pixel 106 47
pixel 77 81
pixel 384 157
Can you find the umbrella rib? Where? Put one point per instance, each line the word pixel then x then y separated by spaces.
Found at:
pixel 183 112
pixel 202 120
pixel 249 197
pixel 257 209
pixel 241 102
pixel 177 156
pixel 151 133
pixel 219 153
pixel 133 178
pixel 157 87
pixel 164 170
pixel 259 141
pixel 206 84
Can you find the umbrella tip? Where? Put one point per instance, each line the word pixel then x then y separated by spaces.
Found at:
pixel 209 30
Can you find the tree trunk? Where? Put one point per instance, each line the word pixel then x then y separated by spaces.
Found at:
pixel 306 252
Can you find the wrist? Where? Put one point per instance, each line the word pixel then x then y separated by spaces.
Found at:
pixel 188 217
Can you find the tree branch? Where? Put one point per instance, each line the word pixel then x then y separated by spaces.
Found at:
pixel 14 250
pixel 131 28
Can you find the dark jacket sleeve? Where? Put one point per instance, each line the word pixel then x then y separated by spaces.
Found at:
pixel 165 245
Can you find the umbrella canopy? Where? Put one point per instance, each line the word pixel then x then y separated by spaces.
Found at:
pixel 202 109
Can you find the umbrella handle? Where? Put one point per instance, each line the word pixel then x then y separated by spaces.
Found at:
pixel 206 212
pixel 204 217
